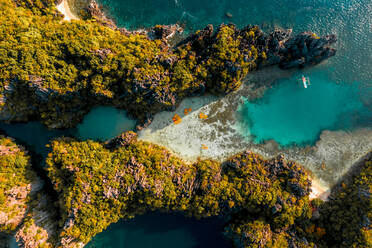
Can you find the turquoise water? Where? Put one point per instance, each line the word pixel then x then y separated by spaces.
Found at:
pixel 341 90
pixel 291 114
pixel 347 77
pixel 103 123
pixel 162 230
pixel 13 243
pixel 339 97
pixel 147 231
pixel 350 20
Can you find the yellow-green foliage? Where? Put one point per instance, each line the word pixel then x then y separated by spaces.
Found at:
pixel 226 62
pixel 63 54
pixel 98 186
pixel 347 216
pixel 59 66
pixel 222 66
pixel 15 171
pixel 257 234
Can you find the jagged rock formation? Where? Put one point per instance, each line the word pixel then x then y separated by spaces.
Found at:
pixel 133 177
pixel 346 217
pixel 17 181
pixel 265 202
pixel 25 210
pixel 139 71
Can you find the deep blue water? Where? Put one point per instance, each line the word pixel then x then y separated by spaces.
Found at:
pixel 34 135
pixel 101 123
pixel 147 231
pixel 339 97
pixel 162 230
pixel 347 77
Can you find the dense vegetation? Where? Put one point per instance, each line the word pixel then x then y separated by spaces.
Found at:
pixel 56 70
pixel 100 184
pixel 346 217
pixel 15 179
pixel 266 202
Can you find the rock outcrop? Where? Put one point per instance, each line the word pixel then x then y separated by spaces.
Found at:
pixel 280 47
pixel 140 71
pixel 18 183
pixel 26 211
pixel 135 177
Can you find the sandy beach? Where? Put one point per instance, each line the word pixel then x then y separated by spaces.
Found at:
pixel 64 8
pixel 319 191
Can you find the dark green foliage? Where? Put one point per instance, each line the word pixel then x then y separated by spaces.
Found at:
pixel 61 69
pixel 99 186
pixel 38 7
pixel 347 216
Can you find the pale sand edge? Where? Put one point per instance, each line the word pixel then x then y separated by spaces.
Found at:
pixel 64 8
pixel 319 191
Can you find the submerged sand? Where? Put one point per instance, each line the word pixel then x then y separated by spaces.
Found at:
pixel 328 160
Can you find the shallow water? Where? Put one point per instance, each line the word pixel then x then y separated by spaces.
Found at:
pixel 351 20
pixel 350 70
pixel 150 230
pixel 103 123
pixel 162 230
pixel 290 114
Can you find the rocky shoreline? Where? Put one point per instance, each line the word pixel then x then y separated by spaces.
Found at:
pixel 83 190
pixel 32 217
pixel 99 183
pixel 192 67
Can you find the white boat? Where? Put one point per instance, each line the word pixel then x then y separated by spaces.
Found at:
pixel 305 81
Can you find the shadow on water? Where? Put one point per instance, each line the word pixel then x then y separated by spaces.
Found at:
pixel 34 134
pixel 160 230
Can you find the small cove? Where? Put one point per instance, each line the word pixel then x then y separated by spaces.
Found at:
pixel 162 230
pixel 292 115
pixel 149 230
pixel 101 123
pixel 352 62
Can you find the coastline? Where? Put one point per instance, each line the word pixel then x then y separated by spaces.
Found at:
pixel 319 191
pixel 328 159
pixel 64 8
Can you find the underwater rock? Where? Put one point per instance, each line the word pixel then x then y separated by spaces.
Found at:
pixel 228 15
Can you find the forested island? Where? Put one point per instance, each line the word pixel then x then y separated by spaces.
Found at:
pixel 55 71
pixel 266 202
